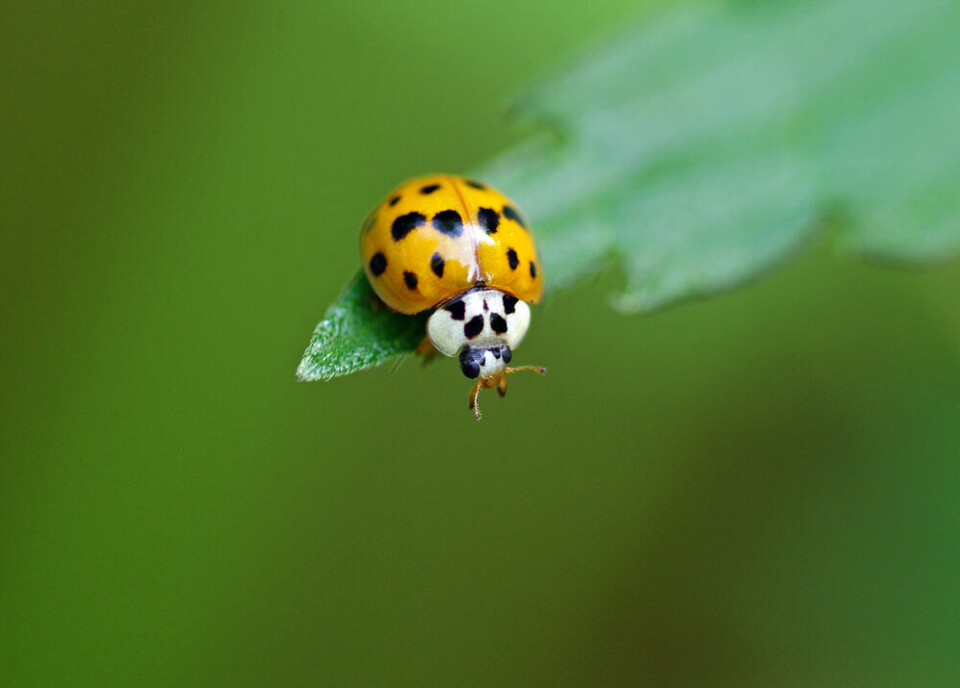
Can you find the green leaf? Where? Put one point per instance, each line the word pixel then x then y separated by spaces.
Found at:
pixel 712 145
pixel 358 332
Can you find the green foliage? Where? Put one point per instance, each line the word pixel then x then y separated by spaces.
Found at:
pixel 709 147
pixel 358 332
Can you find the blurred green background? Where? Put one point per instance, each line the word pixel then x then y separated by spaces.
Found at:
pixel 761 489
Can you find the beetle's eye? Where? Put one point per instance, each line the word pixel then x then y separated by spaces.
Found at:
pixel 470 362
pixel 506 353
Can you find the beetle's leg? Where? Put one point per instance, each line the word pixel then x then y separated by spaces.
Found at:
pixel 474 397
pixel 537 369
pixel 426 350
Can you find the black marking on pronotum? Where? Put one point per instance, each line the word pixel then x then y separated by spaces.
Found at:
pixel 436 264
pixel 411 280
pixel 533 269
pixel 512 213
pixel 448 222
pixel 485 306
pixel 473 327
pixel 456 310
pixel 495 352
pixel 498 324
pixel 512 259
pixel 475 184
pixel 405 224
pixel 429 189
pixel 509 303
pixel 489 219
pixel 378 264
pixel 393 201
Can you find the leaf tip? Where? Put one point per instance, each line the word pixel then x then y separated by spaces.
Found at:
pixel 307 370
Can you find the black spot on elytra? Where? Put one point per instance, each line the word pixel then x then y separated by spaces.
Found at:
pixel 448 222
pixel 473 327
pixel 456 310
pixel 498 324
pixel 489 220
pixel 405 224
pixel 429 189
pixel 509 303
pixel 378 264
pixel 476 185
pixel 436 264
pixel 485 306
pixel 393 201
pixel 533 269
pixel 512 213
pixel 512 259
pixel 411 280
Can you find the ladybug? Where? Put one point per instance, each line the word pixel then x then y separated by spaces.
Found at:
pixel 462 249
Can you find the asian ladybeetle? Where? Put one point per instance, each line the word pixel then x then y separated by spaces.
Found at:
pixel 461 248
